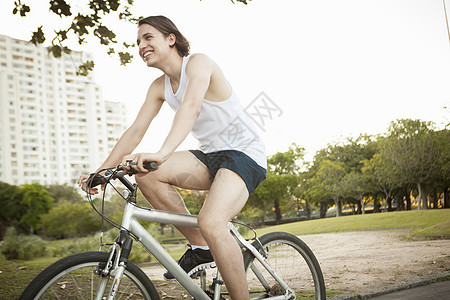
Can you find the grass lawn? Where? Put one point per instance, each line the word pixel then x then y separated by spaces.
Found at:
pixel 15 275
pixel 427 222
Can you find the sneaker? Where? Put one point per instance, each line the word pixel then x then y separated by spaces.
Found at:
pixel 193 261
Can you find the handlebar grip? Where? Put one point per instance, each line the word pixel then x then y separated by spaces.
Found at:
pixel 150 165
pixel 95 179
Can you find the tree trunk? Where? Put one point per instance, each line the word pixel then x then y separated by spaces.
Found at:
pixel 435 199
pixel 337 203
pixel 264 213
pixel 308 209
pixel 389 204
pixel 446 198
pixel 376 208
pixel 360 204
pixel 408 202
pixel 276 205
pixel 323 209
pixel 421 198
pixel 363 205
pixel 400 203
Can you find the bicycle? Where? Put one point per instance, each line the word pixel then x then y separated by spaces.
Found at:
pixel 279 265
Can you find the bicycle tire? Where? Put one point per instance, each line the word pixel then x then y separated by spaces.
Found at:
pixel 293 260
pixel 73 277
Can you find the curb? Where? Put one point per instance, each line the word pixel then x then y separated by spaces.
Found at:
pixel 409 284
pixel 429 237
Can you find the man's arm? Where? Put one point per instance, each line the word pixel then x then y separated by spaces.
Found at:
pixel 198 72
pixel 134 134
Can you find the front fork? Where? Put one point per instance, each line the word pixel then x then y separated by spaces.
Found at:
pixel 115 266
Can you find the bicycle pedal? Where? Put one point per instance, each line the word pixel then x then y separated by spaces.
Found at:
pixel 211 295
pixel 198 274
pixel 202 267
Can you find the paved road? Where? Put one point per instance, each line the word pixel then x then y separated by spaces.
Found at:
pixel 434 291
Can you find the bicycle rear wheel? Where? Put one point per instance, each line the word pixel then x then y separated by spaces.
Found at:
pixel 74 277
pixel 291 259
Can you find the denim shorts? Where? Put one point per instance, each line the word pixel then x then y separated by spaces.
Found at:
pixel 236 161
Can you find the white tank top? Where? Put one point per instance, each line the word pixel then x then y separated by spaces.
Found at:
pixel 220 125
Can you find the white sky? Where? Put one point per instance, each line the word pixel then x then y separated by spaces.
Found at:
pixel 336 69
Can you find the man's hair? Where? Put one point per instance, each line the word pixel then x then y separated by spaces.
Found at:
pixel 166 27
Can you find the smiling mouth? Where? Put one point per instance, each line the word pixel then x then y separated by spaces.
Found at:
pixel 146 54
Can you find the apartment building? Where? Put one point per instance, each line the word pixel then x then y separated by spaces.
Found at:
pixel 54 125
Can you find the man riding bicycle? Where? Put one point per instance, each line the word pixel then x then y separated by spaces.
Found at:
pixel 230 161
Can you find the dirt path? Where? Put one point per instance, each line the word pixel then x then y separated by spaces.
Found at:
pixel 370 260
pixel 360 261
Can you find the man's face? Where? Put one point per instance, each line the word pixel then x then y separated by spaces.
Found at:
pixel 153 45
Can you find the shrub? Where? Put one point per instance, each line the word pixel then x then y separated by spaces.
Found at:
pixel 70 220
pixel 25 247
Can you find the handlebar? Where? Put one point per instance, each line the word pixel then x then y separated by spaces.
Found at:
pixel 97 179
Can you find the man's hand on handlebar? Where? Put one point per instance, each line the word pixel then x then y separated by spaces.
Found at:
pixel 139 164
pixel 142 162
pixel 82 183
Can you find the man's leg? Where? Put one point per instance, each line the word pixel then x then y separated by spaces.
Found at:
pixel 183 170
pixel 225 200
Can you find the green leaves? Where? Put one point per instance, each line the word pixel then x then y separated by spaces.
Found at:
pixel 125 58
pixel 287 162
pixel 37 201
pixel 57 50
pixel 85 68
pixel 104 6
pixel 60 7
pixel 105 35
pixel 81 24
pixel 88 20
pixel 242 1
pixel 38 36
pixel 20 8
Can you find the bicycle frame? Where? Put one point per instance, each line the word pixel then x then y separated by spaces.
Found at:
pixel 133 214
pixel 130 222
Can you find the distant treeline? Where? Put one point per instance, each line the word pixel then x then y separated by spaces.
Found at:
pixel 409 166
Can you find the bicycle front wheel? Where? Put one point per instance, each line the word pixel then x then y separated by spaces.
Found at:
pixel 292 260
pixel 75 277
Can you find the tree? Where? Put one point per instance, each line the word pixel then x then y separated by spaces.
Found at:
pixel 64 193
pixel 381 176
pixel 83 22
pixel 277 190
pixel 412 149
pixel 301 194
pixel 12 209
pixel 325 184
pixel 282 179
pixel 37 201
pixel 352 153
pixel 442 179
pixel 349 155
pixel 70 220
pixel 289 162
pixel 355 185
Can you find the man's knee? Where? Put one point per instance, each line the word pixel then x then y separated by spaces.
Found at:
pixel 149 186
pixel 147 180
pixel 211 227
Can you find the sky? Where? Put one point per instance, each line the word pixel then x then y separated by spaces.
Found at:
pixel 318 71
